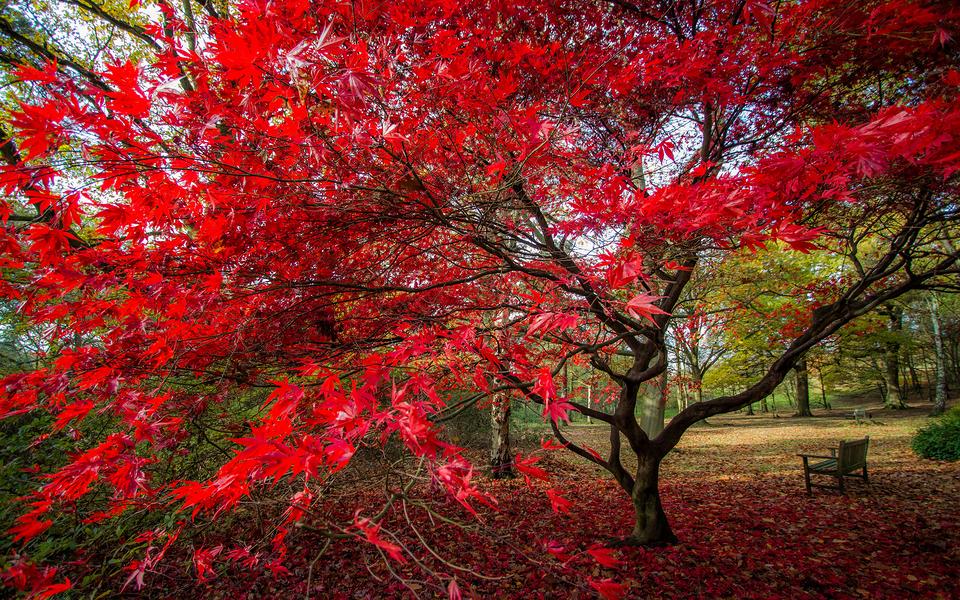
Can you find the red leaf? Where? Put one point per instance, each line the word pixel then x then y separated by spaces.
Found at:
pixel 557 549
pixel 46 76
pixel 557 410
pixel 643 306
pixel 545 386
pixel 558 503
pixel 371 532
pixel 547 322
pixel 203 561
pixel 604 556
pixel 527 468
pixel 608 589
pixel 52 590
pixel 76 410
pixel 551 444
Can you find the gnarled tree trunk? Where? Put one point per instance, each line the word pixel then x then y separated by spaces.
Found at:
pixel 651 527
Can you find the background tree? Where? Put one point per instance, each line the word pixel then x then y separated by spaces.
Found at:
pixel 940 388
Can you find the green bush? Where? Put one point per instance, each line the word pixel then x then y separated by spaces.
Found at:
pixel 940 439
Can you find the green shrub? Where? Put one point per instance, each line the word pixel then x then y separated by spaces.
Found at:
pixel 940 439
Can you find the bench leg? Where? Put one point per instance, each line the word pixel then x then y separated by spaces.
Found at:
pixel 840 481
pixel 865 474
pixel 806 475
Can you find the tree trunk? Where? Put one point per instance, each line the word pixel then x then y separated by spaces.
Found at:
pixel 653 404
pixel 894 398
pixel 803 389
pixel 698 382
pixel 954 356
pixel 951 354
pixel 651 527
pixel 763 405
pixel 501 456
pixel 940 395
pixel 589 403
pixel 823 389
pixel 926 372
pixel 914 378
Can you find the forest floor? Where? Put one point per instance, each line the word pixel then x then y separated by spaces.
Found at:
pixel 734 492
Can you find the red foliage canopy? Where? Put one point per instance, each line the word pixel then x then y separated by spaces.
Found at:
pixel 351 204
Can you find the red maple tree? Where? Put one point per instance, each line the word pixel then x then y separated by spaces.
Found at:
pixel 353 205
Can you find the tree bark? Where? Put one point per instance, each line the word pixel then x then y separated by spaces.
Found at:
pixel 501 455
pixel 803 389
pixel 914 378
pixel 653 406
pixel 698 382
pixel 954 356
pixel 823 389
pixel 894 395
pixel 651 527
pixel 940 394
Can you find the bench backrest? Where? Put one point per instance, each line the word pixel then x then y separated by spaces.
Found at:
pixel 852 455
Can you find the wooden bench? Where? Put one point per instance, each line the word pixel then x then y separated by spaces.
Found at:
pixel 860 415
pixel 843 462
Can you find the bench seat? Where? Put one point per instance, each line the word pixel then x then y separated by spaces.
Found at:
pixel 826 466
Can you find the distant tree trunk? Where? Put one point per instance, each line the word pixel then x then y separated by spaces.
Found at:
pixel 954 356
pixel 924 363
pixel 763 406
pixel 653 402
pixel 803 389
pixel 501 455
pixel 501 451
pixel 652 413
pixel 750 410
pixel 940 396
pixel 698 382
pixel 914 378
pixel 589 403
pixel 823 389
pixel 951 355
pixel 891 373
pixel 790 391
pixel 683 400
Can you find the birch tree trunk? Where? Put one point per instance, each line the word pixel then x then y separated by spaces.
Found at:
pixel 940 393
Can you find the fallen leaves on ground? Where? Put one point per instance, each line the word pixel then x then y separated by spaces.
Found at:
pixel 735 496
